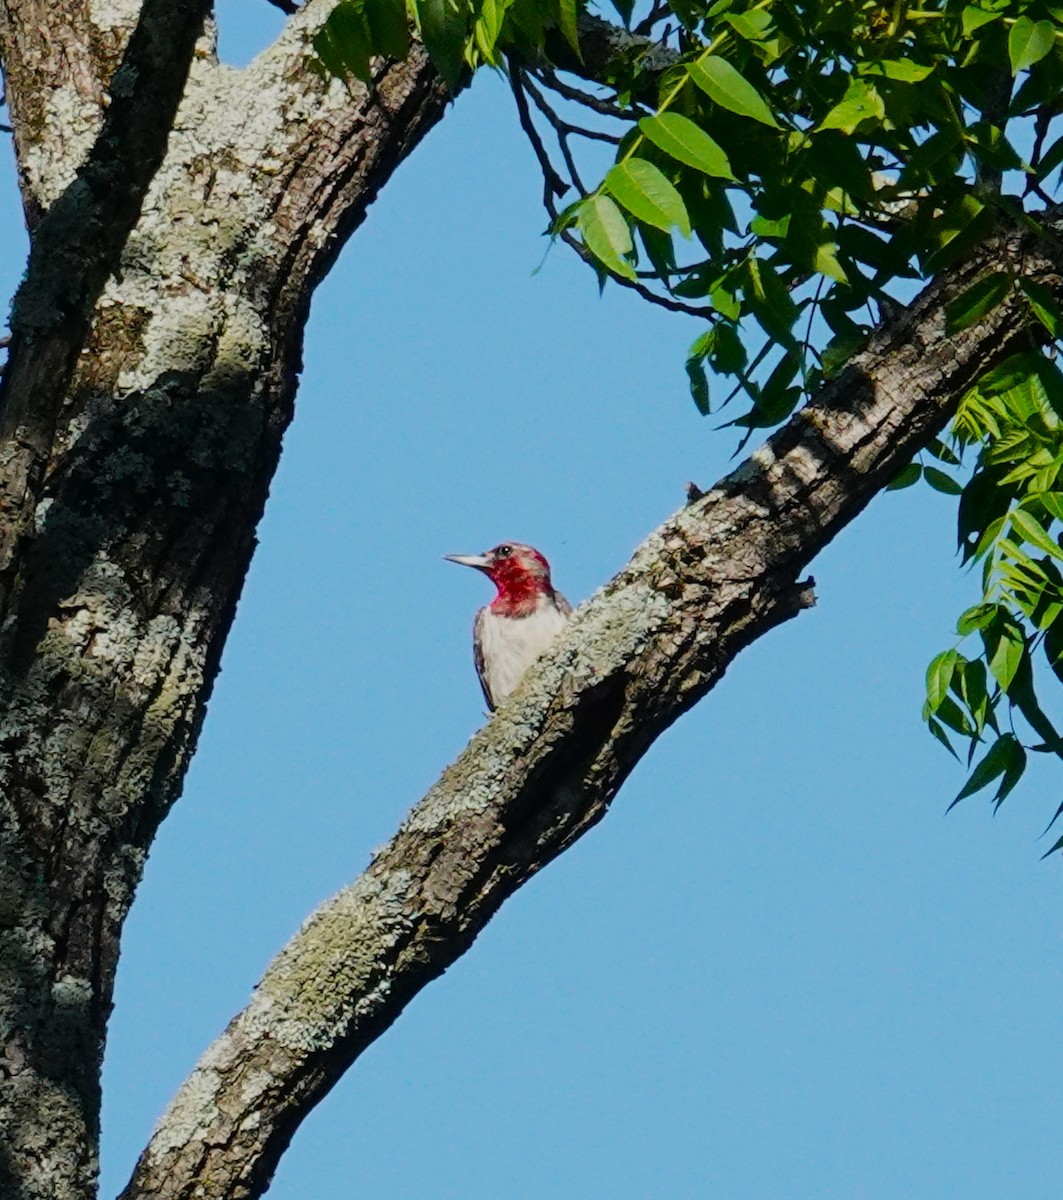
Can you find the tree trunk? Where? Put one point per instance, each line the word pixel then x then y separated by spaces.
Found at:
pixel 142 422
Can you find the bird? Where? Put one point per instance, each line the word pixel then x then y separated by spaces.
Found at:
pixel 510 633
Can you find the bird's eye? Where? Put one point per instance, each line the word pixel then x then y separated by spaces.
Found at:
pixel 503 551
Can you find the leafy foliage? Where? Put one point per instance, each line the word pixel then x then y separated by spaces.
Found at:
pixel 459 35
pixel 786 171
pixel 1007 513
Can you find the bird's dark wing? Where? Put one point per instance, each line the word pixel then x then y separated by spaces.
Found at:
pixel 478 654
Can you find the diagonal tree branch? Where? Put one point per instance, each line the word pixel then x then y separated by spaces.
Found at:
pixel 77 246
pixel 714 577
pixel 603 46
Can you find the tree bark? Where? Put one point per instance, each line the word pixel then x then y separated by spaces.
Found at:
pixel 150 379
pixel 718 574
pixel 142 417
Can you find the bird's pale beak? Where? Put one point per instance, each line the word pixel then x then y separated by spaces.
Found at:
pixel 480 561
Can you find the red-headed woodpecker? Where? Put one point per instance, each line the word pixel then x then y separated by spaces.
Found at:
pixel 520 622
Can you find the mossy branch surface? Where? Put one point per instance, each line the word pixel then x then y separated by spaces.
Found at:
pixel 718 574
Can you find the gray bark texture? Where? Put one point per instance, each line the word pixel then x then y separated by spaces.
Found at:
pixel 182 213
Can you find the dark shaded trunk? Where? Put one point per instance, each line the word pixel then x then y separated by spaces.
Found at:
pixel 142 422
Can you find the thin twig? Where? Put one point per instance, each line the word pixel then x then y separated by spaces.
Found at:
pixel 595 135
pixel 549 78
pixel 703 314
pixel 1042 123
pixel 559 129
pixel 553 184
pixel 286 6
pixel 558 122
pixel 813 308
pixel 645 26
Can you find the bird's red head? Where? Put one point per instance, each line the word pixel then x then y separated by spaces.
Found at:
pixel 520 573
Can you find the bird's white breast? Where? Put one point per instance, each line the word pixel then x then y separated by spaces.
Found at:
pixel 511 644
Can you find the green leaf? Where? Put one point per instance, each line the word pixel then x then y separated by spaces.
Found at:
pixel 959 230
pixel 443 30
pixel 567 20
pixel 1005 758
pixel 389 30
pixel 974 18
pixel 949 713
pixel 687 143
pixel 837 353
pixel 701 346
pixel 990 145
pixel 729 89
pixel 699 386
pixel 343 43
pixel 1052 502
pixel 728 355
pixel 938 732
pixel 943 453
pixel 1023 695
pixel 645 192
pixel 1005 647
pixel 660 249
pixel 1051 379
pixel 1053 647
pixel 977 301
pixel 1058 814
pixel 1029 42
pixel 1016 765
pixel 726 302
pixel 899 69
pixel 941 482
pixel 1043 306
pixel 908 475
pixel 988 538
pixel 770 301
pixel 753 25
pixel 825 260
pixel 1032 531
pixel 1013 372
pixel 971 677
pixel 329 56
pixel 771 227
pixel 488 28
pixel 860 103
pixel 978 617
pixel 606 234
pixel 1051 159
pixel 939 676
pixel 625 8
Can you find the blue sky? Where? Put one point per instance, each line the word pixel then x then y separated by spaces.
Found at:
pixel 777 969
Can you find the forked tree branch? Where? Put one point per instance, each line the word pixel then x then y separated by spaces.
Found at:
pixel 77 245
pixel 714 577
